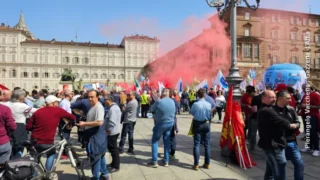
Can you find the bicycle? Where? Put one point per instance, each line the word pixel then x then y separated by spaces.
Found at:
pixel 52 174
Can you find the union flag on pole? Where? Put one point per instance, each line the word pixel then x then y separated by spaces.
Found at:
pixel 241 149
pixel 226 131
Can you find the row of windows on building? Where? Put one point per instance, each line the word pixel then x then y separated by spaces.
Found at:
pixel 75 60
pixel 293 20
pixel 13 74
pixel 292 36
pixel 8 40
pixel 274 57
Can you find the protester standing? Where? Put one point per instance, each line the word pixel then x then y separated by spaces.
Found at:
pixel 112 126
pixel 164 113
pixel 271 129
pixel 201 112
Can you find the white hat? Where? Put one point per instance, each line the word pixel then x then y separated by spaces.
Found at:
pixel 51 98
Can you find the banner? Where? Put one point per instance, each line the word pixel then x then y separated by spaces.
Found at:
pixel 220 81
pixel 226 130
pixel 93 86
pixel 238 130
pixel 203 84
pixel 179 85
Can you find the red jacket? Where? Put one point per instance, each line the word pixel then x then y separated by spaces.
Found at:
pixel 44 122
pixel 7 124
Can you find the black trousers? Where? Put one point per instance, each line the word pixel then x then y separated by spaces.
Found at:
pixel 114 151
pixel 219 111
pixel 127 128
pixel 144 110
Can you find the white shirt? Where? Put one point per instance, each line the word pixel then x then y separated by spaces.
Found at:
pixel 65 104
pixel 74 98
pixel 220 100
pixel 20 111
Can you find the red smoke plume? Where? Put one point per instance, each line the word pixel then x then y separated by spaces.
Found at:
pixel 200 57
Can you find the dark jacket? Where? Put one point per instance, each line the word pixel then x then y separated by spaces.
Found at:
pixel 175 125
pixel 271 128
pixel 290 114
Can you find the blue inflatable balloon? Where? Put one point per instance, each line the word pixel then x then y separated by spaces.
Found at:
pixel 288 74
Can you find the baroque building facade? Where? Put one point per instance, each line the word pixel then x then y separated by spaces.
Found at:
pixel 31 63
pixel 264 37
pixel 268 36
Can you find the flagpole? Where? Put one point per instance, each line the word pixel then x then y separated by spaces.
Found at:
pixel 240 155
pixel 228 141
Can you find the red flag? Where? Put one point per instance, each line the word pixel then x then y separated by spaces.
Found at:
pixel 226 131
pixel 237 126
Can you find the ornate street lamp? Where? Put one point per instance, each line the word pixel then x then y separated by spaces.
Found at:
pixel 234 77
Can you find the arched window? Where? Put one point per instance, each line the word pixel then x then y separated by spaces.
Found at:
pixel 85 76
pixel 113 76
pixel 95 76
pixel 103 76
pixel 120 76
pixel 46 74
pixel 76 75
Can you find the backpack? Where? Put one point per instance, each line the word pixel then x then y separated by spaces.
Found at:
pixel 20 169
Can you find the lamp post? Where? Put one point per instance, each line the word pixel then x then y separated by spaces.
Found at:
pixel 234 77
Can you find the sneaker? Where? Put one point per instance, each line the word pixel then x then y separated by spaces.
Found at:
pixel 113 170
pixel 172 157
pixel 206 166
pixel 121 151
pixel 305 150
pixel 165 164
pixel 153 164
pixel 195 168
pixel 130 152
pixel 315 153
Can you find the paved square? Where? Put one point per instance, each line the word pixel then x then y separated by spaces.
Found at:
pixel 134 167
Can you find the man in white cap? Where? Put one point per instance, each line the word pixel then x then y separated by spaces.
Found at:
pixel 43 124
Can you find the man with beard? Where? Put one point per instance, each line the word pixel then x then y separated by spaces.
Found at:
pixel 271 129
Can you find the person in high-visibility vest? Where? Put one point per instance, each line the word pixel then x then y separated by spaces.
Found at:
pixel 192 97
pixel 144 104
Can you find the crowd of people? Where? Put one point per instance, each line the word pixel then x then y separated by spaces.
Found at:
pixel 274 114
pixel 102 116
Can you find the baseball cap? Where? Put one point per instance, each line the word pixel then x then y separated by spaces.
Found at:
pixel 281 87
pixel 51 99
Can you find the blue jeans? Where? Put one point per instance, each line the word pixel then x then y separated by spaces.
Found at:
pixel 138 110
pixel 275 165
pixel 51 155
pixel 100 166
pixel 293 154
pixel 127 128
pixel 158 130
pixel 5 152
pixel 201 131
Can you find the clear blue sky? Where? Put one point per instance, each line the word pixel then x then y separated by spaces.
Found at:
pixel 59 18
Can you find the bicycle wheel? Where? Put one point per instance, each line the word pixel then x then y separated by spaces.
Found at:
pixel 39 173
